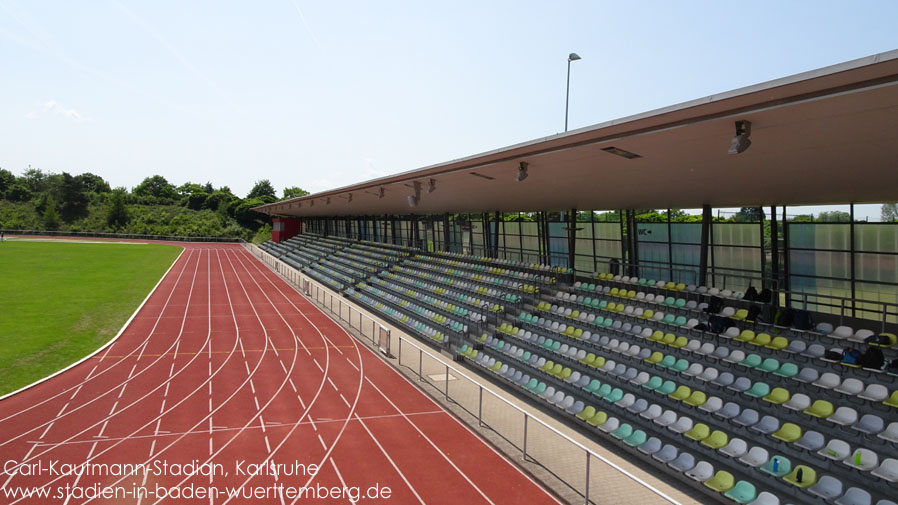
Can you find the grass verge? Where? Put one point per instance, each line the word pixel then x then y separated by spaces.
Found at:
pixel 60 301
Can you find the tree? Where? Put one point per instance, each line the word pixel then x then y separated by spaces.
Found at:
pixel 835 216
pixel 262 188
pixel 197 200
pixel 889 212
pixel 34 179
pixel 7 179
pixel 189 188
pixel 72 196
pixel 156 186
pixel 749 215
pixel 50 214
pixel 294 192
pixel 117 214
pixel 93 183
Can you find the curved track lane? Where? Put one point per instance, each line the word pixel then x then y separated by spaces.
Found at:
pixel 227 367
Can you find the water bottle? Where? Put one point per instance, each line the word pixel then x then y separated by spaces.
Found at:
pixel 799 475
pixel 776 465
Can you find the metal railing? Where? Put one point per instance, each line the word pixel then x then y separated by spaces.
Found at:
pixel 571 462
pixel 134 236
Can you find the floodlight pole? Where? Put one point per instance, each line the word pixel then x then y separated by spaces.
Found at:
pixel 567 95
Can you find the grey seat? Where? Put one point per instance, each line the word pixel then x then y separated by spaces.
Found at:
pixel 667 454
pixel 644 353
pixel 807 375
pixel 729 410
pixel 721 352
pixel 827 487
pixel 684 462
pixel 755 457
pixel 652 412
pixel 651 446
pixel 870 424
pixel 767 425
pixel 740 385
pixel 735 448
pixel 724 380
pixel 639 407
pixel 811 441
pixel 798 402
pixel 747 417
pixel 796 346
pixel 766 498
pixel 713 404
pixel 814 351
pixel 855 496
pixel 630 374
pixel 701 472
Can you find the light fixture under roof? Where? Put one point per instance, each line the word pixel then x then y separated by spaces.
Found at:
pixel 416 197
pixel 621 152
pixel 380 192
pixel 431 185
pixel 475 174
pixel 741 141
pixel 522 171
pixel 349 198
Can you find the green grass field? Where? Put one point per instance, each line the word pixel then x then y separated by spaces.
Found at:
pixel 61 301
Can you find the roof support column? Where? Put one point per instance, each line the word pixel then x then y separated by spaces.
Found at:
pixel 763 250
pixel 485 218
pixel 774 255
pixel 572 240
pixel 416 233
pixel 853 273
pixel 495 243
pixel 393 229
pixel 703 255
pixel 787 281
pixel 447 234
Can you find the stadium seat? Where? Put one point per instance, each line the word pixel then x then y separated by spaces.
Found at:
pixel 827 488
pixel 701 472
pixel 890 433
pixel 788 432
pixel 777 396
pixel 716 440
pixel 667 454
pixel 742 492
pixel 855 496
pixel 887 470
pixel 844 416
pixel 863 459
pixel 808 476
pixel 699 432
pixel 651 446
pixel 683 462
pixel 836 450
pixel 777 466
pixel 722 481
pixel 820 409
pixel 735 448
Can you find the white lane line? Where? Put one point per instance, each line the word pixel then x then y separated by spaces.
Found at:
pixel 323 445
pixel 120 393
pixel 352 364
pixel 393 463
pixel 316 364
pixel 432 444
pixel 344 399
pixel 78 478
pixel 332 384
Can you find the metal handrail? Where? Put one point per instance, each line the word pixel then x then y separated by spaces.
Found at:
pixel 295 275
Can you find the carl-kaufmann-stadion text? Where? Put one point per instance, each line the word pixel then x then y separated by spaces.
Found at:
pixel 156 467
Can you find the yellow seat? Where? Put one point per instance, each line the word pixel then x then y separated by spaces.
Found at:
pixel 657 336
pixel 746 336
pixel 716 440
pixel 655 358
pixel 808 476
pixel 681 393
pixel 740 315
pixel 699 432
pixel 778 343
pixel 788 432
pixel 822 409
pixel 696 399
pixel 598 419
pixel 892 401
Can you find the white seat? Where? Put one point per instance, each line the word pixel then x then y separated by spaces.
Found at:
pixel 731 332
pixel 706 349
pixel 694 369
pixel 626 401
pixel 701 472
pixel 844 416
pixel 548 393
pixel 709 374
pixel 890 433
pixel 887 470
pixel 836 450
pixel 766 498
pixel 827 487
pixel 798 402
pixel 755 457
pixel 682 425
pixel 855 496
pixel 863 459
pixel 870 424
pixel 811 441
pixel 842 332
pixel 684 462
pixel 729 410
pixel 828 380
pixel 574 378
pixel 850 386
pixel 694 345
pixel 666 419
pixel 610 425
pixel 807 374
pixel 713 404
pixel 728 312
pixel 735 356
pixel 824 328
pixel 861 335
pixel 691 323
pixel 653 412
pixel 814 351
pixel 767 425
pixel 641 379
pixel 568 405
pixel 875 393
pixel 748 417
pixel 736 448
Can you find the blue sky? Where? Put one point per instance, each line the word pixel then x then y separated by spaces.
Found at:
pixel 323 94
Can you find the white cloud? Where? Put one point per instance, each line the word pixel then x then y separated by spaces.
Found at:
pixel 53 107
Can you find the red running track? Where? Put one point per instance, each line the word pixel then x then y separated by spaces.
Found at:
pixel 228 369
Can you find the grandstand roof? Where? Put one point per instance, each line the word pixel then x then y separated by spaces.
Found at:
pixel 828 136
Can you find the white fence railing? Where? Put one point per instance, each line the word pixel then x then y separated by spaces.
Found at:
pixel 538 442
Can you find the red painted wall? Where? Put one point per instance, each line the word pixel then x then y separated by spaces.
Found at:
pixel 282 228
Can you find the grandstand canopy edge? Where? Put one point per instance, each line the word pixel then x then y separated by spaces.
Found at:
pixel 827 136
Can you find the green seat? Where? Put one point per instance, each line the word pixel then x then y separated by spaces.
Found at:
pixel 751 361
pixel 680 366
pixel 525 356
pixel 587 413
pixel 597 420
pixel 892 401
pixel 548 343
pixel 532 384
pixel 769 365
pixel 788 432
pixel 681 393
pixel 787 370
pixel 696 399
pixel 669 319
pixel 698 432
pixel 615 395
pixel 540 389
pixel 653 383
pixel 778 343
pixel 808 477
pixel 655 358
pixel 555 346
pixel 593 386
pixel 783 466
pixel 759 390
pixel 743 492
pixel 778 396
pixel 636 439
pixel 680 303
pixel 680 321
pixel 667 388
pixel 722 482
pixel 603 391
pixel 608 322
pixel 716 440
pixel 820 408
pixel 623 431
pixel 668 361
